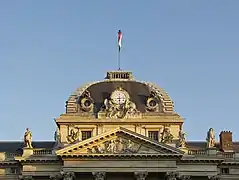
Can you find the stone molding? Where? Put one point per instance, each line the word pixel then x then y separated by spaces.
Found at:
pixel 24 177
pixel 140 175
pixel 99 175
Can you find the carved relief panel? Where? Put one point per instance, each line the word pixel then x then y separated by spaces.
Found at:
pixel 117 145
pixel 73 134
pixel 119 106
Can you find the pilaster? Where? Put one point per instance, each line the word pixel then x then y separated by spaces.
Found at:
pixel 99 175
pixel 140 175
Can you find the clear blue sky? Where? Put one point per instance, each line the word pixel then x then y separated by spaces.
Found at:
pixel 50 48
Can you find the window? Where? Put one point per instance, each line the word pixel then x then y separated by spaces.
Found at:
pixel 154 135
pixel 85 135
pixel 224 170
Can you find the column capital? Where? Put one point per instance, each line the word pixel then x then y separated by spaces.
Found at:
pixel 213 178
pixel 99 175
pixel 25 177
pixel 171 175
pixel 56 176
pixel 183 177
pixel 140 175
pixel 67 175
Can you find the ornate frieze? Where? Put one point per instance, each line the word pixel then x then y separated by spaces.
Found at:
pixel 118 145
pixel 119 106
pixel 99 175
pixel 140 175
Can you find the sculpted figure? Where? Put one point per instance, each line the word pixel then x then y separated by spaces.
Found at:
pixel 182 138
pixel 57 135
pixel 112 147
pixel 73 136
pixel 28 139
pixel 210 138
pixel 167 137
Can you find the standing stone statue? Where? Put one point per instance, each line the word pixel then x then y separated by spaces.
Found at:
pixel 182 139
pixel 28 139
pixel 57 135
pixel 210 138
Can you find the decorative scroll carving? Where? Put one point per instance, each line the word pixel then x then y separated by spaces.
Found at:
pixel 73 134
pixel 119 106
pixel 21 177
pixel 28 139
pixel 99 175
pixel 153 102
pixel 182 139
pixel 118 145
pixel 167 137
pixel 171 176
pixel 210 138
pixel 86 103
pixel 140 175
pixel 213 178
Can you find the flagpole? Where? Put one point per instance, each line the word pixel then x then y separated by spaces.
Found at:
pixel 119 59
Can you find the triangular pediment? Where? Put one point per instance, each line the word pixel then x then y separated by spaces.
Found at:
pixel 120 141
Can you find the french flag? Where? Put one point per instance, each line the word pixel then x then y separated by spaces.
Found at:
pixel 120 37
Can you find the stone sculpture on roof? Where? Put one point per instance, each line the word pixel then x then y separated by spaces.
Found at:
pixel 28 139
pixel 210 138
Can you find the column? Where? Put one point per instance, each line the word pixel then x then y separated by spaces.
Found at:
pixel 171 176
pixel 99 175
pixel 21 177
pixel 140 175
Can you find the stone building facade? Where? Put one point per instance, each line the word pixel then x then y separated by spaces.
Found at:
pixel 120 128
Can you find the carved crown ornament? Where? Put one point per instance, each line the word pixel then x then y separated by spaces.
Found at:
pixel 119 106
pixel 85 102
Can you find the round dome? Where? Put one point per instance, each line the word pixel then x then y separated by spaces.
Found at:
pixel 146 97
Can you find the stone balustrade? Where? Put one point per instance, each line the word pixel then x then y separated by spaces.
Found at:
pixel 205 152
pixel 40 152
